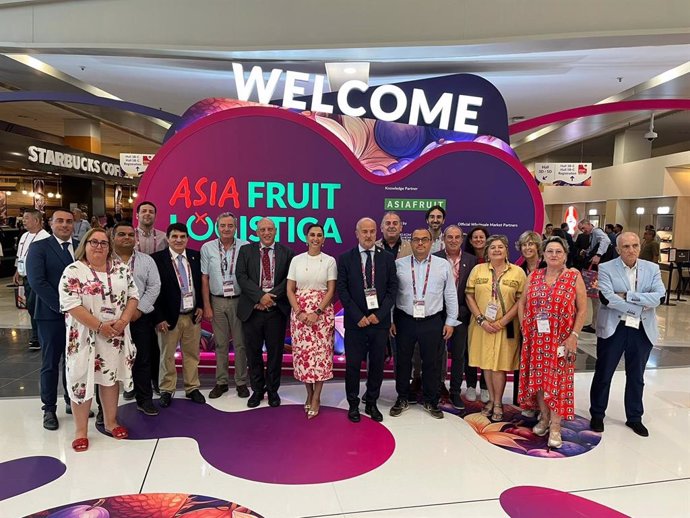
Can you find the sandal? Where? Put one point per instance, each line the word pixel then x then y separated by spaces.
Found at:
pixel 497 414
pixel 555 440
pixel 541 428
pixel 488 409
pixel 119 432
pixel 81 444
pixel 306 408
pixel 312 414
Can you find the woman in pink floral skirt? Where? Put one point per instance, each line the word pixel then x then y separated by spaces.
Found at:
pixel 310 289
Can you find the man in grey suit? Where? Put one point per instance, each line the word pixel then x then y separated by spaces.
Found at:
pixel 263 308
pixel 630 290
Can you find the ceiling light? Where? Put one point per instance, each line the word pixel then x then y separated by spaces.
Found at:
pixel 639 211
pixel 8 193
pixel 51 195
pixel 58 196
pixel 134 194
pixel 130 200
pixel 592 212
pixel 661 210
pixel 349 70
pixel 25 192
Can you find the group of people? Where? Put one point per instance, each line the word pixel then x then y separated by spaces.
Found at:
pixel 113 302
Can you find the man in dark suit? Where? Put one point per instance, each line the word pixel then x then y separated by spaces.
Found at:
pixel 366 285
pixel 45 263
pixel 264 308
pixel 461 265
pixel 177 313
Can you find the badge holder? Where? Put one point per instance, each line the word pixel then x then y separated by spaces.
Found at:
pixel 188 301
pixel 372 300
pixel 491 311
pixel 228 288
pixel 543 325
pixel 419 310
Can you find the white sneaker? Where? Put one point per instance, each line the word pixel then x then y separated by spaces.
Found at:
pixel 485 396
pixel 529 413
pixel 471 394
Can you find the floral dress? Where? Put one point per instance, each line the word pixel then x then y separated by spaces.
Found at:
pixel 540 366
pixel 90 358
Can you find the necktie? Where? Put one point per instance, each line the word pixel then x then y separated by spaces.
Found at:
pixel 368 269
pixel 183 274
pixel 266 280
pixel 456 273
pixel 65 249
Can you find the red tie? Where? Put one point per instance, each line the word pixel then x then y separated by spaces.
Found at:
pixel 266 277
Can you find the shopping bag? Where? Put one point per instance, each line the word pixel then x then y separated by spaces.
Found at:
pixel 591 278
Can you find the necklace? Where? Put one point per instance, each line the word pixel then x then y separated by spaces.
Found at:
pixel 313 258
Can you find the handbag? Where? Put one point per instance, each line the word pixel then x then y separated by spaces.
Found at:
pixel 591 278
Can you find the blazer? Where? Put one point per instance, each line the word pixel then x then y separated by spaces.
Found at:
pixel 467 262
pixel 648 294
pixel 167 305
pixel 248 274
pixel 45 263
pixel 350 287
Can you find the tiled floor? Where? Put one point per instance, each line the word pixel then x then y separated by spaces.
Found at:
pixel 440 468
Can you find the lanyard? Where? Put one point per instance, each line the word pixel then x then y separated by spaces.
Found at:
pixel 414 279
pixel 494 283
pixel 224 259
pixel 110 284
pixel 25 246
pixel 373 270
pixel 177 272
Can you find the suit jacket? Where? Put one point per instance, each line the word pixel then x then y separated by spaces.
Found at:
pixel 45 263
pixel 167 305
pixel 248 274
pixel 467 262
pixel 648 294
pixel 350 286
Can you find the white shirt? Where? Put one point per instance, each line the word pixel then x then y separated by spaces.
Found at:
pixel 188 269
pixel 631 272
pixel 23 248
pixel 70 248
pixel 312 272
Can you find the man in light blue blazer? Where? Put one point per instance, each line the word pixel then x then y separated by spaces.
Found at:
pixel 630 289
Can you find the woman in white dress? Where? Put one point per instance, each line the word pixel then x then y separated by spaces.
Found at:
pixel 99 298
pixel 310 289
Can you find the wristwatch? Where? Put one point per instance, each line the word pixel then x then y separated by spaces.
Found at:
pixel 319 311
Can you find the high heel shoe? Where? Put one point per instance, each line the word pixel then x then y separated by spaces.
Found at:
pixel 541 428
pixel 555 440
pixel 497 414
pixel 312 413
pixel 306 408
pixel 488 409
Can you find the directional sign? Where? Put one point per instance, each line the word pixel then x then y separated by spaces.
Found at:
pixel 564 173
pixel 134 164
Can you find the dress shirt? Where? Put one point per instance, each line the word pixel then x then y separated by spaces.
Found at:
pixel 23 248
pixel 154 241
pixel 363 256
pixel 441 287
pixel 210 265
pixel 188 269
pixel 631 272
pixel 70 247
pixel 599 242
pixel 147 279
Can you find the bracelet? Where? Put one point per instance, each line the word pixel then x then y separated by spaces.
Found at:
pixel 577 335
pixel 480 320
pixel 100 324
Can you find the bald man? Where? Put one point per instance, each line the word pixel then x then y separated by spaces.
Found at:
pixel 264 308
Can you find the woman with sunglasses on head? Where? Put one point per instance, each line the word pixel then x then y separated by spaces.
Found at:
pixel 551 314
pixel 99 298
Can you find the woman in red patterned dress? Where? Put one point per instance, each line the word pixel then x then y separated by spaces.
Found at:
pixel 310 289
pixel 551 316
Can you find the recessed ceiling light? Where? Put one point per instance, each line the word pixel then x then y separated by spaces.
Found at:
pixel 349 70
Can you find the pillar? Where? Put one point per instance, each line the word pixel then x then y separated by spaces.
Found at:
pixel 630 146
pixel 83 134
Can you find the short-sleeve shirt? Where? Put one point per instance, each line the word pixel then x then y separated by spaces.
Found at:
pixel 312 272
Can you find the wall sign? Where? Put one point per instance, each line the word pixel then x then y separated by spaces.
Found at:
pixel 564 173
pixel 74 160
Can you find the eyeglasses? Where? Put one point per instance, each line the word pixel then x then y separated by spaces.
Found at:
pixel 98 244
pixel 416 240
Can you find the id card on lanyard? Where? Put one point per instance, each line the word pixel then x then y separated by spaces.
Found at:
pixel 21 256
pixel 188 296
pixel 228 284
pixel 418 306
pixel 107 311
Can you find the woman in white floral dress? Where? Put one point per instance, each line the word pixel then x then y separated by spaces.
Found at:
pixel 98 297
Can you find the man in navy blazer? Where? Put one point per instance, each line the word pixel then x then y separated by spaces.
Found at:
pixel 263 308
pixel 630 290
pixel 461 265
pixel 45 262
pixel 367 285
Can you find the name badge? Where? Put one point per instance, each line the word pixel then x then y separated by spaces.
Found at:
pixel 188 301
pixel 21 267
pixel 632 322
pixel 372 300
pixel 543 325
pixel 419 310
pixel 107 313
pixel 228 288
pixel 491 311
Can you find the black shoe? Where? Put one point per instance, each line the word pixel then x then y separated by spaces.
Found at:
pixel 156 390
pixel 128 395
pixel 457 401
pixel 99 417
pixel 165 400
pixel 433 410
pixel 400 406
pixel 217 391
pixel 273 400
pixel 68 410
pixel 589 329
pixel 596 424
pixel 147 407
pixel 371 410
pixel 196 396
pixel 255 399
pixel 50 421
pixel 353 414
pixel 242 391
pixel 444 391
pixel 638 428
pixel 34 345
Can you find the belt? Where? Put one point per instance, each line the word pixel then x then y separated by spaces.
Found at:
pixel 224 297
pixel 419 319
